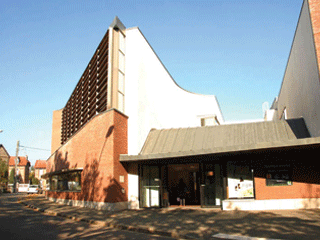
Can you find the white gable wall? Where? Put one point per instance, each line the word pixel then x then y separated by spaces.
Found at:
pixel 153 99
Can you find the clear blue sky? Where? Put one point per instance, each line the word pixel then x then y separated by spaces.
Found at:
pixel 236 50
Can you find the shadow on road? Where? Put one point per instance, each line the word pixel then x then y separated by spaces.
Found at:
pixel 198 223
pixel 20 222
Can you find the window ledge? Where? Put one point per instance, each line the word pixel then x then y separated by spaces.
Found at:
pixel 77 191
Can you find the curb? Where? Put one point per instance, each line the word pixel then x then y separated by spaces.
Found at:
pixel 147 230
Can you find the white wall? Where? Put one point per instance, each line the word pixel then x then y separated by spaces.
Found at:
pixel 153 99
pixel 300 90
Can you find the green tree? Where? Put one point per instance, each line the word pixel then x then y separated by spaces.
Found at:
pixel 31 175
pixel 33 179
pixel 11 176
pixel 3 172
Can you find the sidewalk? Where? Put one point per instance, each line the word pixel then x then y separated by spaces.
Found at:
pixel 194 223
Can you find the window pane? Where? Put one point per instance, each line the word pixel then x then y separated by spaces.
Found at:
pixel 120 102
pixel 122 42
pixel 240 179
pixel 66 182
pixel 121 61
pixel 121 82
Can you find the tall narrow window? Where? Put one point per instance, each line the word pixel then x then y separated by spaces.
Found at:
pixel 122 46
pixel 121 62
pixel 120 102
pixel 121 82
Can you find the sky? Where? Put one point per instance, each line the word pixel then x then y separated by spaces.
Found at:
pixel 236 50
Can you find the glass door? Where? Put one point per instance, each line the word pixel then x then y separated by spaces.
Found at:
pixel 149 186
pixel 212 189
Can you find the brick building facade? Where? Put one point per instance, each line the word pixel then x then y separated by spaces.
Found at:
pixel 104 118
pixel 129 134
pixel 23 168
pixel 39 170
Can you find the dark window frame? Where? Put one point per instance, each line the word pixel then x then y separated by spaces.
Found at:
pixel 66 182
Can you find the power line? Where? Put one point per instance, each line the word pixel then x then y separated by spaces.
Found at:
pixel 41 149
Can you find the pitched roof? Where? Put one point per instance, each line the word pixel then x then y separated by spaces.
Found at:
pixel 23 161
pixel 40 164
pixel 5 150
pixel 179 142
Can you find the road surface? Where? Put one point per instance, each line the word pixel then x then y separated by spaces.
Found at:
pixel 20 222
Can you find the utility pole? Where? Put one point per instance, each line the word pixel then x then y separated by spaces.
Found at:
pixel 15 169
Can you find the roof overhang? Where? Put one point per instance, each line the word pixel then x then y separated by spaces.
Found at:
pixel 223 150
pixel 62 171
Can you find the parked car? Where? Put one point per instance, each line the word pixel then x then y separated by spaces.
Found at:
pixel 23 187
pixel 33 189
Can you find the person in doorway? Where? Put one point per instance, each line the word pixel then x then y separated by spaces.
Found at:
pixel 182 191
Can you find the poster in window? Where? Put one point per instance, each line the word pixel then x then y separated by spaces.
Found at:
pixel 240 181
pixel 239 188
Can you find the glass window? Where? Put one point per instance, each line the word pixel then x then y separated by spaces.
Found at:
pixel 121 61
pixel 240 180
pixel 121 82
pixel 70 181
pixel 150 186
pixel 278 175
pixel 122 45
pixel 120 102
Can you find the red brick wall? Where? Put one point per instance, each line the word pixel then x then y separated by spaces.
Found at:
pixel 306 184
pixel 296 190
pixel 56 130
pixel 96 148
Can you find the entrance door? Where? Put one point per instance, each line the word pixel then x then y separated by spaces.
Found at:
pixel 150 186
pixel 212 189
pixel 183 183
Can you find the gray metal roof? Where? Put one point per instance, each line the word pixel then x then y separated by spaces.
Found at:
pixel 179 142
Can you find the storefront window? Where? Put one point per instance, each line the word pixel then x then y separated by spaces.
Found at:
pixel 70 181
pixel 278 175
pixel 240 180
pixel 150 186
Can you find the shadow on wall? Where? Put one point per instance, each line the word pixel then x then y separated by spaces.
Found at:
pixel 114 192
pixel 91 181
pixel 298 127
pixel 93 185
pixel 60 162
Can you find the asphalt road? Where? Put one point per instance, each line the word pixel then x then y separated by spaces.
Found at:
pixel 20 222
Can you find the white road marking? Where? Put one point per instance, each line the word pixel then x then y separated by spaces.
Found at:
pixel 234 237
